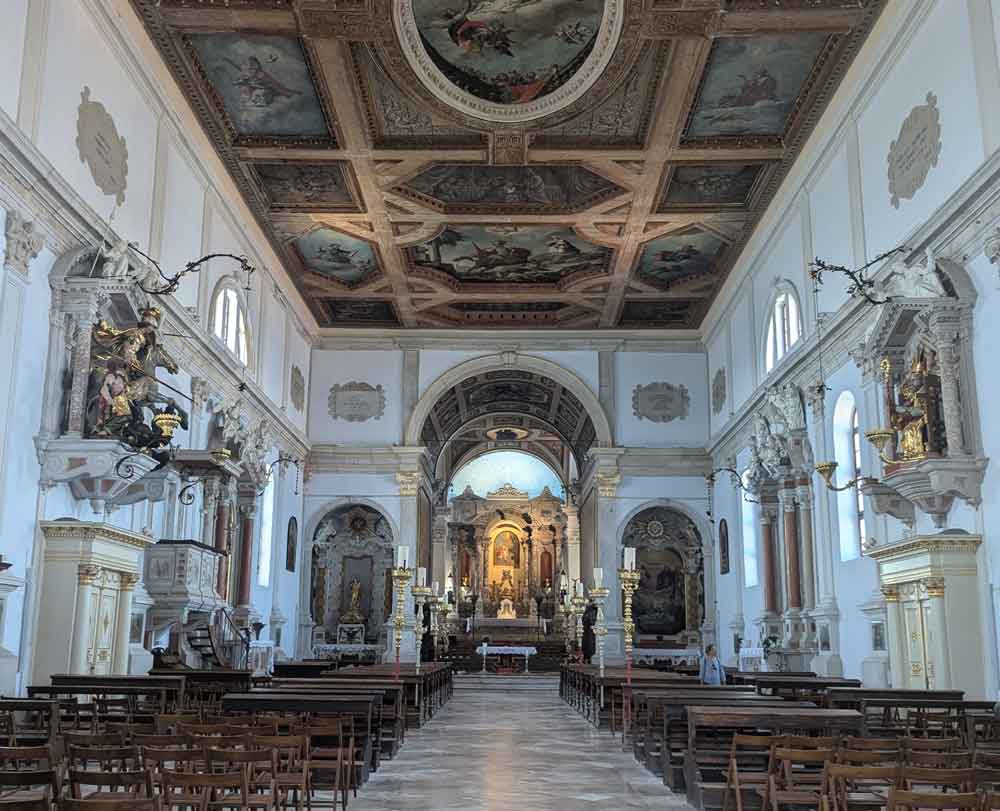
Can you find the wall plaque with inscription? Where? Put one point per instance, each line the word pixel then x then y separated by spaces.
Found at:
pixel 101 147
pixel 915 151
pixel 661 402
pixel 356 402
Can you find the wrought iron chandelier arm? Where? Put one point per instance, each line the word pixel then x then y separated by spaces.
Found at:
pixel 861 285
pixel 173 282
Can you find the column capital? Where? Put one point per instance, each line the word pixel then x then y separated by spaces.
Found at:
pixel 128 581
pixel 890 593
pixel 607 483
pixel 87 573
pixel 934 586
pixel 23 242
pixel 409 482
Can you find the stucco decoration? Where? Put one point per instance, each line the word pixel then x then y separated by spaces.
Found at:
pixel 101 147
pixel 297 386
pixel 356 402
pixel 661 402
pixel 915 151
pixel 718 391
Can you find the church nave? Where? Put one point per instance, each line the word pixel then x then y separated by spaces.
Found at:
pixel 510 743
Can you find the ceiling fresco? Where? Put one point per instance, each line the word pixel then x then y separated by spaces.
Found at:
pixel 508 163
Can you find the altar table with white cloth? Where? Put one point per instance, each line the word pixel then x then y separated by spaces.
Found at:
pixel 506 650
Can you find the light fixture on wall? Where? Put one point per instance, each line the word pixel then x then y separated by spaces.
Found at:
pixel 861 285
pixel 737 479
pixel 827 470
pixel 283 460
pixel 171 283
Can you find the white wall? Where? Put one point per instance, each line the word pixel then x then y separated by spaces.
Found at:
pixel 642 368
pixel 376 368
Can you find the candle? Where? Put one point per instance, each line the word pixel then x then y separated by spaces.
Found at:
pixel 402 556
pixel 598 577
pixel 421 576
pixel 630 558
pixel 564 582
pixel 436 588
pixel 579 589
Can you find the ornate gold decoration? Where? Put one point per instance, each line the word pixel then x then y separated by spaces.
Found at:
pixel 409 482
pixel 87 573
pixel 353 615
pixel 934 586
pixel 400 577
pixel 890 594
pixel 128 581
pixel 629 579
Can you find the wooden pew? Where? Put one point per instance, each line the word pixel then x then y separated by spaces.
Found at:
pixel 15 712
pixel 173 684
pixel 426 691
pixel 210 682
pixel 599 699
pixel 799 686
pixel 303 668
pixel 96 692
pixel 885 709
pixel 710 730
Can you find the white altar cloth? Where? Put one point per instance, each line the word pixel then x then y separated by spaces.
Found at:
pixel 677 655
pixel 506 650
pixel 328 651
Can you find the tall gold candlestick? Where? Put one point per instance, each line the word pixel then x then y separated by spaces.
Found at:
pixel 400 577
pixel 599 595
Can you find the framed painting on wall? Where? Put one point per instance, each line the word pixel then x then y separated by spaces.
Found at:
pixel 723 547
pixel 291 549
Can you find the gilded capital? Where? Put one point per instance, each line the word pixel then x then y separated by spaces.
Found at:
pixel 934 586
pixel 87 573
pixel 128 581
pixel 607 484
pixel 890 593
pixel 409 482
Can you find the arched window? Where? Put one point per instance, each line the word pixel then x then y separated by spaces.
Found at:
pixel 847 452
pixel 229 322
pixel 784 328
pixel 856 472
pixel 748 529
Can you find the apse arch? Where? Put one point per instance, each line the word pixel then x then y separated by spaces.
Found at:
pixel 514 364
pixel 530 478
pixel 320 512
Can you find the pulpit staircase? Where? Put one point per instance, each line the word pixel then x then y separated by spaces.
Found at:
pixel 219 642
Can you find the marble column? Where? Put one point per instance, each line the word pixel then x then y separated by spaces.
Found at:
pixel 87 574
pixel 246 555
pixel 791 533
pixel 895 637
pixel 123 623
pixel 439 546
pixel 222 546
pixel 804 494
pixel 767 563
pixel 84 323
pixel 572 561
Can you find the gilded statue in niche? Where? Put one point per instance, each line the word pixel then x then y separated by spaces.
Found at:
pixel 353 613
pixel 915 413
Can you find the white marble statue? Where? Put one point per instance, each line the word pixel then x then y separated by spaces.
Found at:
pixel 916 281
pixel 787 402
pixel 114 259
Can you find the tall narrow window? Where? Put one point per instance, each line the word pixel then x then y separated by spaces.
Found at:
pixel 856 472
pixel 784 329
pixel 229 322
pixel 266 533
pixel 748 528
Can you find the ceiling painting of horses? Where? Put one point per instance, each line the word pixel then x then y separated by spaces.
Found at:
pixel 510 253
pixel 669 260
pixel 338 256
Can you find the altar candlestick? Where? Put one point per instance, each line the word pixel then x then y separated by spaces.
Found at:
pixel 579 588
pixel 402 556
pixel 598 578
pixel 436 588
pixel 421 576
pixel 564 582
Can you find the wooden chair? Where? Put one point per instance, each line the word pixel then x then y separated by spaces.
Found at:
pixel 796 777
pixel 93 739
pixel 873 744
pixel 168 722
pixel 110 785
pixel 991 801
pixel 173 759
pixel 113 709
pixel 291 778
pixel 27 757
pixel 131 804
pixel 329 740
pixel 37 804
pixel 909 800
pixel 942 760
pixel 161 741
pixel 22 785
pixel 852 787
pixel 130 729
pixel 749 765
pixel 812 742
pixel 920 777
pixel 869 757
pixel 205 791
pixel 930 744
pixel 258 767
pixel 109 758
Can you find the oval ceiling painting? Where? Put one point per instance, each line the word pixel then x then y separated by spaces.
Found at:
pixel 509 60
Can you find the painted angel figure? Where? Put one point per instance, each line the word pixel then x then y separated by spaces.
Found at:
pixel 258 88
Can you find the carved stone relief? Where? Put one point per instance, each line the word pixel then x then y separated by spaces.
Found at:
pixel 718 391
pixel 661 402
pixel 101 147
pixel 356 402
pixel 23 242
pixel 915 151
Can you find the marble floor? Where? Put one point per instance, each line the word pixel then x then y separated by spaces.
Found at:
pixel 511 746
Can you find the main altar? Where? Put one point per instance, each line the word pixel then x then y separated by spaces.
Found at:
pixel 507 548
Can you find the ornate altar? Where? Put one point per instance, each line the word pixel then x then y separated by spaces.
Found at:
pixel 350 589
pixel 506 547
pixel 669 603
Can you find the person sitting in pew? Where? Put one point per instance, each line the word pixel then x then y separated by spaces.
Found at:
pixel 711 668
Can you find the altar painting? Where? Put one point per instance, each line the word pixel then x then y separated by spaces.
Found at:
pixel 659 604
pixel 506 550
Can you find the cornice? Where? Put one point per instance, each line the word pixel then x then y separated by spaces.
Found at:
pixel 950 542
pixel 664 462
pixel 526 341
pixel 382 459
pixel 93 531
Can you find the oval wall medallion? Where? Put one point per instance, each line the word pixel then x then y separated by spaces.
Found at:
pixel 508 61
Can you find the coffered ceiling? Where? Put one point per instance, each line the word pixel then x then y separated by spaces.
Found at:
pixel 542 163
